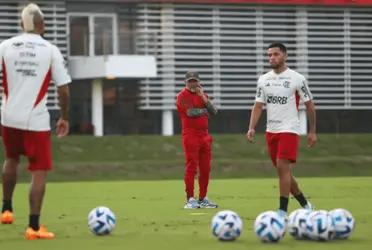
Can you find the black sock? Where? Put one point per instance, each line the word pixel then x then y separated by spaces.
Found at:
pixel 7 205
pixel 283 203
pixel 34 221
pixel 301 199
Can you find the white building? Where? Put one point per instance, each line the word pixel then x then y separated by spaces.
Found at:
pixel 128 58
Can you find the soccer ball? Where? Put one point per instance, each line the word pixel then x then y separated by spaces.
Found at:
pixel 297 223
pixel 101 221
pixel 226 225
pixel 320 226
pixel 343 221
pixel 270 226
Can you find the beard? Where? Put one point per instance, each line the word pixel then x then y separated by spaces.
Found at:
pixel 274 65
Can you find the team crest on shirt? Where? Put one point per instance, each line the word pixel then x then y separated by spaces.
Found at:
pixel 286 84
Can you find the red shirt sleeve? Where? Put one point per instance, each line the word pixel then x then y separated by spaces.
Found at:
pixel 180 103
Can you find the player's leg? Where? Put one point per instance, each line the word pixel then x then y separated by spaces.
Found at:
pixel 297 193
pixel 295 189
pixel 284 174
pixel 191 151
pixel 205 156
pixel 13 144
pixel 38 150
pixel 9 177
pixel 272 146
pixel 36 196
pixel 287 154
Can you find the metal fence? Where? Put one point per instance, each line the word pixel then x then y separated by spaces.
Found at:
pixel 331 46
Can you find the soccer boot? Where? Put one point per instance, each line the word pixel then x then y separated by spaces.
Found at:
pixel 206 203
pixel 283 214
pixel 192 203
pixel 309 206
pixel 42 233
pixel 7 217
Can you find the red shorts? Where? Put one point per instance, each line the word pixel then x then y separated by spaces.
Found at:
pixel 282 146
pixel 36 145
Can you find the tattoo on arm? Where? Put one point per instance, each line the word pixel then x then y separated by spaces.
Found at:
pixel 196 112
pixel 211 108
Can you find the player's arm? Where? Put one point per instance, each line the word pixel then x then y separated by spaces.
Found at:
pixel 63 124
pixel 311 115
pixel 2 45
pixel 256 112
pixel 196 112
pixel 61 79
pixel 210 107
pixel 182 107
pixel 307 97
pixel 64 101
pixel 255 117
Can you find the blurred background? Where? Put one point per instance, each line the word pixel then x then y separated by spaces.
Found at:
pixel 128 58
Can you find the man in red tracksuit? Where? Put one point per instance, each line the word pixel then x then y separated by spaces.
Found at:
pixel 194 109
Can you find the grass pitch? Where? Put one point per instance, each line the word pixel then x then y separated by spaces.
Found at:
pixel 150 214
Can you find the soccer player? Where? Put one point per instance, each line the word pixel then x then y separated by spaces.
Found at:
pixel 281 90
pixel 28 64
pixel 194 108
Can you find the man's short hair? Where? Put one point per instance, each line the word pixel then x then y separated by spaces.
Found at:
pixel 281 46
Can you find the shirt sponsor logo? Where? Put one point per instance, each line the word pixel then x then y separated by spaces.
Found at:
pixel 27 72
pixel 305 90
pixel 274 121
pixel 273 99
pixel 32 45
pixel 259 92
pixel 27 54
pixel 18 45
pixel 26 63
pixel 286 84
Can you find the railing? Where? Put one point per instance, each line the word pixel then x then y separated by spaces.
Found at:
pixel 227 45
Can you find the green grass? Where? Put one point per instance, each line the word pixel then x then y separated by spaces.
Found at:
pixel 150 214
pixel 79 158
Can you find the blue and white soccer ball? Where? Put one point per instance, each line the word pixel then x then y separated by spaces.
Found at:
pixel 320 226
pixel 101 221
pixel 343 221
pixel 226 225
pixel 297 223
pixel 270 226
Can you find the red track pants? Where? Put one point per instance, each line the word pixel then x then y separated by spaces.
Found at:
pixel 197 149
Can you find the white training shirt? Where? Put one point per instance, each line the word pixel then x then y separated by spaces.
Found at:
pixel 29 62
pixel 282 93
